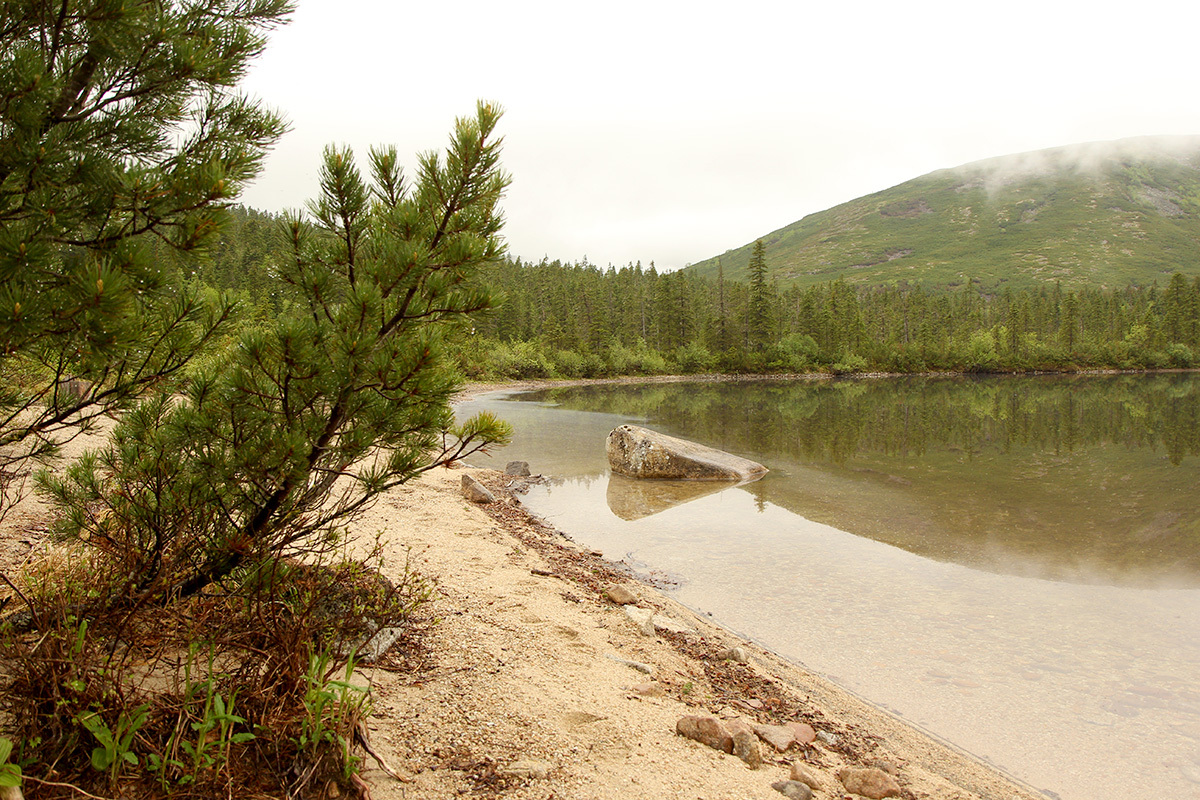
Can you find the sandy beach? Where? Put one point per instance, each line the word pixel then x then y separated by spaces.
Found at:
pixel 531 683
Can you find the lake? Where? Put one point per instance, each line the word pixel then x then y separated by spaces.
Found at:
pixel 1012 564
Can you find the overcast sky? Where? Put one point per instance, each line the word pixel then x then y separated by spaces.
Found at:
pixel 673 131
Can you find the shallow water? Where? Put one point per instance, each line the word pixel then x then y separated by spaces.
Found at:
pixel 1012 564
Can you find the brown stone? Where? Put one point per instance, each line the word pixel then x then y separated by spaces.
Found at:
pixel 643 453
pixel 745 743
pixel 705 730
pixel 649 690
pixel 780 737
pixel 869 782
pixel 803 732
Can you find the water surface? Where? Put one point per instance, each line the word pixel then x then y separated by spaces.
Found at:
pixel 1013 564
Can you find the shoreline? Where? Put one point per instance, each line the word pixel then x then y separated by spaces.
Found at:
pixel 472 389
pixel 534 680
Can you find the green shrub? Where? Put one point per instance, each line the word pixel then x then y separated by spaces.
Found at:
pixel 848 364
pixel 694 357
pixel 1180 355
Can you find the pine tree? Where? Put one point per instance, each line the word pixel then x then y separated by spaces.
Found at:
pixel 119 127
pixel 305 421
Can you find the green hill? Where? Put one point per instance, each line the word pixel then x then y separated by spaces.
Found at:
pixel 1101 214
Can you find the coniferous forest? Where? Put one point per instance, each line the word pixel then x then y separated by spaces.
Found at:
pixel 561 319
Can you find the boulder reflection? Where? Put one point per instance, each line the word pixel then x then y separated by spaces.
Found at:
pixel 631 498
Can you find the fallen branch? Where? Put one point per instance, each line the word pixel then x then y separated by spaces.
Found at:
pixel 360 735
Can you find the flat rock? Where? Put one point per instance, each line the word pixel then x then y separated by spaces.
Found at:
pixel 705 730
pixel 652 689
pixel 518 468
pixel 793 789
pixel 643 618
pixel 475 491
pixel 643 453
pixel 662 623
pixel 780 737
pixel 868 782
pixel 621 596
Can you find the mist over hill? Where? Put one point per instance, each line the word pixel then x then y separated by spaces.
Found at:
pixel 1101 214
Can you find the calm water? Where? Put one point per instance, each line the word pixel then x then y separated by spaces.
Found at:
pixel 1012 564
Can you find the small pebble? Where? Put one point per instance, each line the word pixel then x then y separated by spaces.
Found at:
pixel 639 666
pixel 527 769
pixel 738 654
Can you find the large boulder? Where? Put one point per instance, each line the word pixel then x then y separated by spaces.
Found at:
pixel 643 453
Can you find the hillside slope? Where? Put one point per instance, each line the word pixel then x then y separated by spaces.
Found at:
pixel 1100 214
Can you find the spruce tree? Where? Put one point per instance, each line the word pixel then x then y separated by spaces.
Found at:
pixel 759 324
pixel 119 127
pixel 722 334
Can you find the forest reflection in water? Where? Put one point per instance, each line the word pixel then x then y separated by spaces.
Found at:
pixel 1008 562
pixel 1088 478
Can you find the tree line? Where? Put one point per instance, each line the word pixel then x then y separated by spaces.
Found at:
pixel 576 319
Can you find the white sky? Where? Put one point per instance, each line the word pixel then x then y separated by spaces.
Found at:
pixel 673 131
